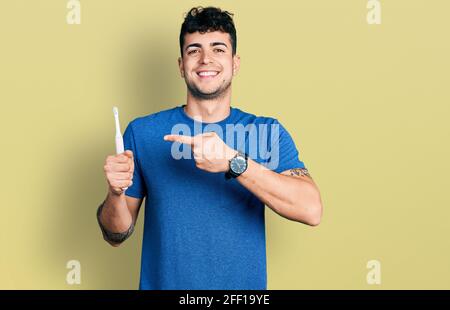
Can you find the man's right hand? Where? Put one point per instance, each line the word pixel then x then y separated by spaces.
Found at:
pixel 119 171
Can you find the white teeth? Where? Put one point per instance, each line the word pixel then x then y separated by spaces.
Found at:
pixel 207 73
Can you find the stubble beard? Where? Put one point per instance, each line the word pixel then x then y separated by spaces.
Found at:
pixel 219 92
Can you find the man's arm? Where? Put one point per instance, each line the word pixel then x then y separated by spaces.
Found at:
pixel 291 194
pixel 117 216
pixel 118 213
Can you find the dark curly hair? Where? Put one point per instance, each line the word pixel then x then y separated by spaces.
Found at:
pixel 208 19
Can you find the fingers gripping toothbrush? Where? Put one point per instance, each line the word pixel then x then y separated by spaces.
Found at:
pixel 119 140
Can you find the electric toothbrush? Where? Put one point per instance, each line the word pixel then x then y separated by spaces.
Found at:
pixel 119 139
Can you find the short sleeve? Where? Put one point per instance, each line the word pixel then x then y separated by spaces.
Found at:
pixel 284 155
pixel 138 188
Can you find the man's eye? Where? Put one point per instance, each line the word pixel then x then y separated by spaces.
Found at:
pixel 219 50
pixel 192 52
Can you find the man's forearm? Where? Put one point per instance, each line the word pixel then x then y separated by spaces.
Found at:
pixel 115 219
pixel 295 198
pixel 291 197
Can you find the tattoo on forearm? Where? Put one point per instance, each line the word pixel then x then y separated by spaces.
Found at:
pixel 296 172
pixel 112 236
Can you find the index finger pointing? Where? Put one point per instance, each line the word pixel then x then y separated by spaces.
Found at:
pixel 179 138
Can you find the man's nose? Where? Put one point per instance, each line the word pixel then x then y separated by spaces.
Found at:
pixel 205 58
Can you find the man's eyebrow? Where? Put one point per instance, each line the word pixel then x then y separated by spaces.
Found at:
pixel 218 43
pixel 193 45
pixel 211 44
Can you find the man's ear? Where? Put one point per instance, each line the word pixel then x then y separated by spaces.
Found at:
pixel 236 64
pixel 180 66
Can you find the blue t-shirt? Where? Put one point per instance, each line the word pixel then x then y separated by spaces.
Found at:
pixel 202 231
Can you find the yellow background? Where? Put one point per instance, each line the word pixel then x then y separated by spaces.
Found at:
pixel 368 106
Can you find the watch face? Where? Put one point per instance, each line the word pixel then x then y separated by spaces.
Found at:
pixel 238 165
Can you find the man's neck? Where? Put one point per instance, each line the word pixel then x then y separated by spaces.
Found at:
pixel 210 111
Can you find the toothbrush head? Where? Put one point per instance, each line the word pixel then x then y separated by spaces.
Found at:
pixel 116 111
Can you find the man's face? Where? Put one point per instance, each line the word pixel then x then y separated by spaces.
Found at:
pixel 208 64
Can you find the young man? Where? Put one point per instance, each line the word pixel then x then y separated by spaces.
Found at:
pixel 206 169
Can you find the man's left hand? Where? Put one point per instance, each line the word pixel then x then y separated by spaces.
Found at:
pixel 210 152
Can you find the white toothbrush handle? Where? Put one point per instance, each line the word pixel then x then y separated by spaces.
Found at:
pixel 119 139
pixel 120 150
pixel 119 145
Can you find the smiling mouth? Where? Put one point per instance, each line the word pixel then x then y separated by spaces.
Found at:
pixel 207 74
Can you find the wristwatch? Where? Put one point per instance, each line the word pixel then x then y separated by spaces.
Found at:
pixel 238 165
